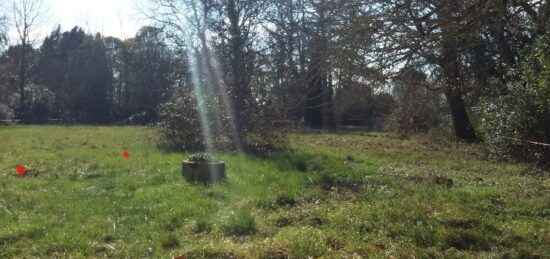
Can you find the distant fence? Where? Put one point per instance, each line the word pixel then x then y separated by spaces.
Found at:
pixel 49 121
pixel 530 142
pixel 284 124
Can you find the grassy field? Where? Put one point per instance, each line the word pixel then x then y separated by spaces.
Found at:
pixel 347 195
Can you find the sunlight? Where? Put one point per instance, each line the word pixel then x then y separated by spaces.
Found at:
pixel 226 101
pixel 201 102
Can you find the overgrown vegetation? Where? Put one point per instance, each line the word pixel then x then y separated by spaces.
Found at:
pixel 180 125
pixel 337 195
pixel 517 117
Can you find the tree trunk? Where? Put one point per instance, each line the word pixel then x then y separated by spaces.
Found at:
pixel 461 122
pixel 22 74
pixel 450 64
pixel 243 103
pixel 313 115
pixel 453 92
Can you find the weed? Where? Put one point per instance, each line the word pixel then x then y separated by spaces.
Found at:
pixel 275 252
pixel 304 242
pixel 299 163
pixel 202 225
pixel 240 223
pixel 170 242
pixel 285 200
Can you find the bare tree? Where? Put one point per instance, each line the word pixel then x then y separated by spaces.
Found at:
pixel 3 28
pixel 3 32
pixel 27 16
pixel 222 34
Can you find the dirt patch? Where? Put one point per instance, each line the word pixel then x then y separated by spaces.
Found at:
pixel 276 252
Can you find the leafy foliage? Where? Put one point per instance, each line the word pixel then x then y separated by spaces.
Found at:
pixel 179 124
pixel 39 103
pixel 520 114
pixel 5 112
pixel 202 157
pixel 182 127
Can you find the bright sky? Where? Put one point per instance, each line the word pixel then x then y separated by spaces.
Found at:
pixel 109 17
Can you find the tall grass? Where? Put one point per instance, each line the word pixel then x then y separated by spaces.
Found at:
pixel 336 195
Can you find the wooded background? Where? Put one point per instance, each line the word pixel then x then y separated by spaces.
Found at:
pixel 481 66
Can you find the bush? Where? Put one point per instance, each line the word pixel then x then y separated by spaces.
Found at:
pixel 39 103
pixel 262 137
pixel 6 113
pixel 517 112
pixel 267 142
pixel 180 124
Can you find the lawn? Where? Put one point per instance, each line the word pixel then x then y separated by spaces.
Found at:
pixel 335 196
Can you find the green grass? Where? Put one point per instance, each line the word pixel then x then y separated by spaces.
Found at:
pixel 336 195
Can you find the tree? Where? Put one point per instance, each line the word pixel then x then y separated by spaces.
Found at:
pixel 461 43
pixel 8 82
pixel 54 64
pixel 90 79
pixel 418 109
pixel 430 35
pixel 5 111
pixel 316 49
pixel 74 66
pixel 285 59
pixel 220 35
pixel 234 24
pixel 27 16
pixel 3 31
pixel 150 72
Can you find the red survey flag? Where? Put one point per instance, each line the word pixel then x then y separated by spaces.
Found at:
pixel 21 170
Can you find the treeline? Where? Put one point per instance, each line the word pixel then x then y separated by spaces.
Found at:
pixel 234 67
pixel 88 78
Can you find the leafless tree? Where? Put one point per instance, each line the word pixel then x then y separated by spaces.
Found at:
pixel 222 34
pixel 27 17
pixel 3 27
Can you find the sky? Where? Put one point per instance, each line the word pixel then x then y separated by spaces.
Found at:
pixel 119 18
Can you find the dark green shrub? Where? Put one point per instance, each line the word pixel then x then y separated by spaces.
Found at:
pixel 183 126
pixel 517 113
pixel 6 113
pixel 179 123
pixel 39 103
